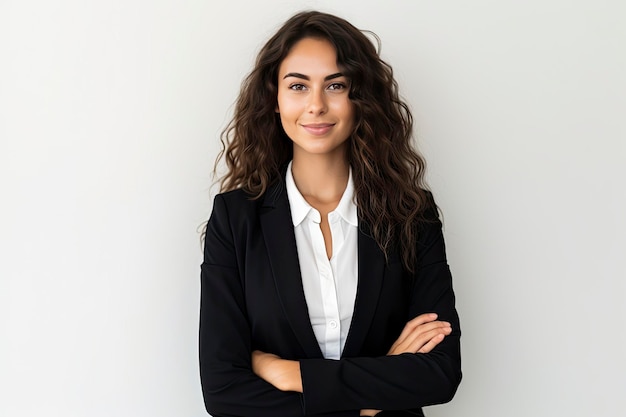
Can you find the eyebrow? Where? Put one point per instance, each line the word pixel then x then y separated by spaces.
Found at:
pixel 306 77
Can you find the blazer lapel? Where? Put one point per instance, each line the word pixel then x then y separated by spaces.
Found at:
pixel 283 255
pixel 371 273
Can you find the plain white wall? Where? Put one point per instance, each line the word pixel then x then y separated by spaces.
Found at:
pixel 109 121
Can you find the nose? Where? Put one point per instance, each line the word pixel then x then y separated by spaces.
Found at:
pixel 317 102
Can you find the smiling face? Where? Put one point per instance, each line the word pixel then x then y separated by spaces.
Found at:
pixel 313 103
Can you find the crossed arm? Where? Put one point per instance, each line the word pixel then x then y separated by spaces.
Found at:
pixel 419 335
pixel 422 366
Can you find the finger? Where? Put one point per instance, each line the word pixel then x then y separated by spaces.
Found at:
pixel 410 326
pixel 421 319
pixel 420 337
pixel 425 338
pixel 430 345
pixel 421 329
pixel 414 337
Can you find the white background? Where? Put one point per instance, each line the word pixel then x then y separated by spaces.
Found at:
pixel 109 120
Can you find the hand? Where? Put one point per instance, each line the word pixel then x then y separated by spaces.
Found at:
pixel 421 335
pixel 281 373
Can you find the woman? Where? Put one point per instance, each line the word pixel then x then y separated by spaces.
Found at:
pixel 325 287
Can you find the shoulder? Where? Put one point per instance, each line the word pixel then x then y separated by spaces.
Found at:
pixel 235 205
pixel 234 216
pixel 430 241
pixel 236 197
pixel 430 210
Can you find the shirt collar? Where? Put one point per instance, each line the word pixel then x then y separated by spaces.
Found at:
pixel 346 207
pixel 300 208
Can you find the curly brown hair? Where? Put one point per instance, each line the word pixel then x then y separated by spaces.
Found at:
pixel 388 172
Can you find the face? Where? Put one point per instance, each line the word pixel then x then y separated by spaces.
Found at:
pixel 313 102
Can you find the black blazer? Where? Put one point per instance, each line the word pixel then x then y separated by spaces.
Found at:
pixel 252 298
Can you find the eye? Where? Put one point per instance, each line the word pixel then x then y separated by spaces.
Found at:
pixel 337 86
pixel 297 87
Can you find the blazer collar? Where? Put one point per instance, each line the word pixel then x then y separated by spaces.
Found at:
pixel 280 241
pixel 371 272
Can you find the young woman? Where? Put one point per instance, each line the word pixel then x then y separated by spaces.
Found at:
pixel 325 285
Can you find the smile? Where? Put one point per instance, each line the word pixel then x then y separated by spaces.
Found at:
pixel 318 129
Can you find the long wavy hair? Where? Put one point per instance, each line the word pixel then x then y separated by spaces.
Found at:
pixel 388 172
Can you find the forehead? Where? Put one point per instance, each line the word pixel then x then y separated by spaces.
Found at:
pixel 310 56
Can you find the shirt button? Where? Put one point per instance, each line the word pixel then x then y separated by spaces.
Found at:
pixel 332 324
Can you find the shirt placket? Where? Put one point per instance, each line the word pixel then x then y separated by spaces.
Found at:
pixel 328 290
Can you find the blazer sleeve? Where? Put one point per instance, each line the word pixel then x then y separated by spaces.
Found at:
pixel 406 381
pixel 229 386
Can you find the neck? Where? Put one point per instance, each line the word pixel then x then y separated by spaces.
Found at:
pixel 321 178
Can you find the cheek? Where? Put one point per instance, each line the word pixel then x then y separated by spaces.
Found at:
pixel 345 109
pixel 284 121
pixel 288 121
pixel 288 106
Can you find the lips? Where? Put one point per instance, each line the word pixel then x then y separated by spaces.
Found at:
pixel 318 129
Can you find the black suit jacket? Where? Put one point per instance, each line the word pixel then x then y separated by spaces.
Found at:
pixel 252 298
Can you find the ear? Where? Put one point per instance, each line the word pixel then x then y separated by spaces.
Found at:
pixel 276 109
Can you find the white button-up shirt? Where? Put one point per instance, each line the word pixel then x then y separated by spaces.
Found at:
pixel 329 285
